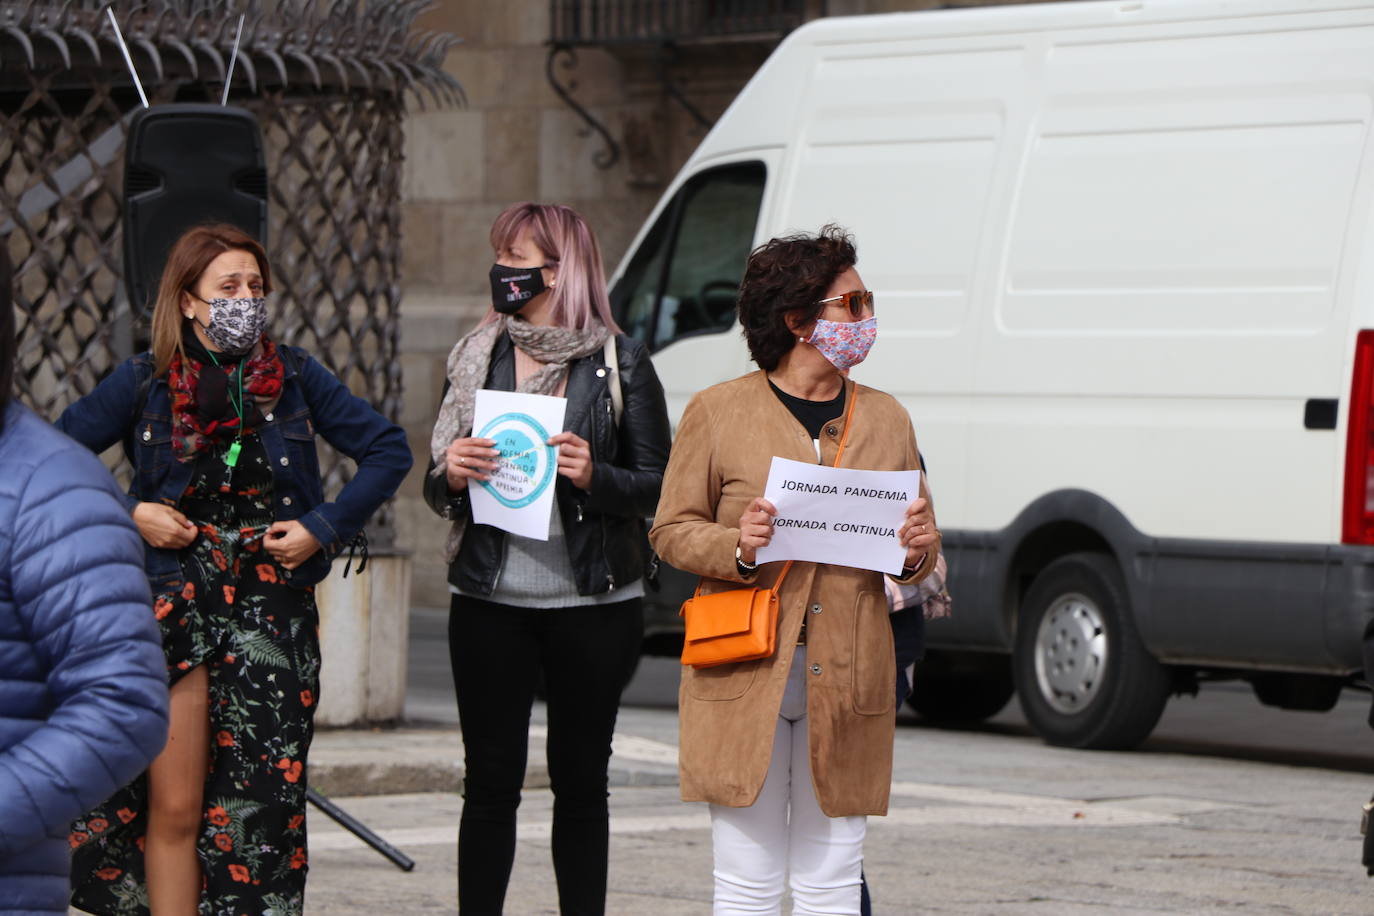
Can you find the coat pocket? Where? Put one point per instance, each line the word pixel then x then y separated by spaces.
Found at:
pixel 298 435
pixel 153 444
pixel 875 664
pixel 722 682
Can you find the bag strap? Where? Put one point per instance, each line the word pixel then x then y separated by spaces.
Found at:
pixel 844 440
pixel 848 414
pixel 613 366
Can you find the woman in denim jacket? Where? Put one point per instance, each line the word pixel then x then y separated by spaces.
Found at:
pixel 219 424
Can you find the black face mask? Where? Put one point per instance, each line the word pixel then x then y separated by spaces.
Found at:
pixel 512 287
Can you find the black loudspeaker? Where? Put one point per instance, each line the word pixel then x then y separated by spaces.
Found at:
pixel 185 165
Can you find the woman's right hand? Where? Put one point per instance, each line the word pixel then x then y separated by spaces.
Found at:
pixel 469 458
pixel 163 526
pixel 755 528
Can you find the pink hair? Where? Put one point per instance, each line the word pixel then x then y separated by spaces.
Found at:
pixel 565 239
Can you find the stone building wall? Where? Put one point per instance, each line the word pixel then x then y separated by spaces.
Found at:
pixel 516 140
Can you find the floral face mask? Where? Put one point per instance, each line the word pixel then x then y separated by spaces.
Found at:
pixel 844 343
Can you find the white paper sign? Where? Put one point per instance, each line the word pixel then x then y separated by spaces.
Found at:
pixel 838 515
pixel 519 496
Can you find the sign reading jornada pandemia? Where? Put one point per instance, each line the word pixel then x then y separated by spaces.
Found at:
pixel 838 515
pixel 519 496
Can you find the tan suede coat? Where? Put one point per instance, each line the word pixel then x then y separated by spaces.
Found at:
pixel 719 463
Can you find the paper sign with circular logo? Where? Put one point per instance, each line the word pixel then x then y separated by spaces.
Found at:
pixel 527 464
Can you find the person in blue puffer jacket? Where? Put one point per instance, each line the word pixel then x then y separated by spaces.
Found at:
pixel 83 686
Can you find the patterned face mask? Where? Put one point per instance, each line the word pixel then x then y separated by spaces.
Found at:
pixel 236 324
pixel 844 343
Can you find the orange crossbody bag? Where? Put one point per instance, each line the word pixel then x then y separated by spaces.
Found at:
pixel 740 624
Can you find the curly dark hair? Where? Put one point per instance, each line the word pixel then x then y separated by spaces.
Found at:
pixel 7 342
pixel 789 274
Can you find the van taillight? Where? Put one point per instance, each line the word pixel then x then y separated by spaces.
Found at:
pixel 1357 522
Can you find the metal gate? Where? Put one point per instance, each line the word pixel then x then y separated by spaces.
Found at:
pixel 329 82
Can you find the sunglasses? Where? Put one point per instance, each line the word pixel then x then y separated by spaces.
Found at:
pixel 856 300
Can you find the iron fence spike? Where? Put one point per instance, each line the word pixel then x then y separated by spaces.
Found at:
pixel 382 67
pixel 151 50
pixel 209 51
pixel 246 62
pixel 159 24
pixel 185 51
pixel 338 67
pixel 308 62
pixel 23 40
pixel 321 28
pixel 250 30
pixel 404 69
pixel 362 70
pixel 225 27
pixel 364 43
pixel 58 42
pixel 63 14
pixel 88 40
pixel 277 61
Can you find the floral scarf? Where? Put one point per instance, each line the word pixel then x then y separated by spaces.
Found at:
pixel 194 430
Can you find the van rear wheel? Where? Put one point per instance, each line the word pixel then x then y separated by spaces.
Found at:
pixel 1084 677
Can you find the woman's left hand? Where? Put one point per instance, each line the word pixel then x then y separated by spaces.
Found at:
pixel 574 459
pixel 290 543
pixel 918 534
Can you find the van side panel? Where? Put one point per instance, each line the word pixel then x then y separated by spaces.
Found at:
pixel 910 171
pixel 1171 293
pixel 1116 249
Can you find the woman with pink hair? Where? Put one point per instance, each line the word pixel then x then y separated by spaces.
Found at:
pixel 569 607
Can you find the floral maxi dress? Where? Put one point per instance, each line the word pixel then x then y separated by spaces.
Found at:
pixel 236 613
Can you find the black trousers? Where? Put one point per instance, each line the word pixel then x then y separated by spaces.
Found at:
pixel 586 654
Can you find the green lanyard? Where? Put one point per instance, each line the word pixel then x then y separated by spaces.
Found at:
pixel 231 457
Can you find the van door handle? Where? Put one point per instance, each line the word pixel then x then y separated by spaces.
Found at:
pixel 1320 413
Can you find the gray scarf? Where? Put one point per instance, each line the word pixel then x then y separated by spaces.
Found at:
pixel 468 364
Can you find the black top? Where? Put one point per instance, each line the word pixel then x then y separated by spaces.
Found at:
pixel 811 414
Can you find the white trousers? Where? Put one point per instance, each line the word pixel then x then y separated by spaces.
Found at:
pixel 785 833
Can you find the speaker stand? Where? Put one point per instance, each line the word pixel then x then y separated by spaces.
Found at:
pixel 360 830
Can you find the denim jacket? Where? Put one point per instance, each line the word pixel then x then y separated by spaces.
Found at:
pixel 312 400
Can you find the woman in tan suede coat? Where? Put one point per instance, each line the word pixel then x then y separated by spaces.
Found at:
pixel 792 751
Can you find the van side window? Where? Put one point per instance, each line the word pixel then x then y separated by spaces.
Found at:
pixel 685 277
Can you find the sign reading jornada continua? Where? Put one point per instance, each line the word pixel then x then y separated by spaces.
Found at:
pixel 838 515
pixel 519 496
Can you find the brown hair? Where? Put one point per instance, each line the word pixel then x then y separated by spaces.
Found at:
pixel 186 262
pixel 789 274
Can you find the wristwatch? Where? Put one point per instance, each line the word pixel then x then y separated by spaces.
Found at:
pixel 745 569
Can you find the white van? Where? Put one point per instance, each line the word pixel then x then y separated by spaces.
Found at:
pixel 1123 263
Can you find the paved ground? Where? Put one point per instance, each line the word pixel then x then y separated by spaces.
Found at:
pixel 981 823
pixel 1230 807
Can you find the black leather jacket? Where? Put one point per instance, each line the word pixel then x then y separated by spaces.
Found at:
pixel 604 527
